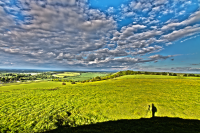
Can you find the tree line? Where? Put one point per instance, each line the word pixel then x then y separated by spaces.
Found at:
pixel 130 72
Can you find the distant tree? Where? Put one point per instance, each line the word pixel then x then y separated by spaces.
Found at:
pixel 139 72
pixel 157 73
pixel 97 78
pixel 83 81
pixel 185 75
pixel 2 79
pixel 174 74
pixel 191 75
pixel 164 73
pixel 170 74
pixel 197 76
pixel 123 72
pixel 120 73
pixel 129 72
pixel 146 73
pixel 152 73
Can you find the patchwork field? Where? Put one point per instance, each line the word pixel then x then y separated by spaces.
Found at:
pixel 86 76
pixel 68 74
pixel 42 106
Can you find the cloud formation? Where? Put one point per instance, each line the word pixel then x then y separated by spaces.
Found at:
pixel 70 33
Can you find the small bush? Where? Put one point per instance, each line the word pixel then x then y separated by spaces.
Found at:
pixel 97 78
pixel 139 72
pixel 174 74
pixel 164 73
pixel 146 73
pixel 63 83
pixel 73 82
pixel 185 75
pixel 191 75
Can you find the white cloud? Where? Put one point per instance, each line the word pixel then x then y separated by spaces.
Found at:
pixel 156 57
pixel 167 44
pixel 51 54
pixel 129 31
pixel 110 10
pixel 195 17
pixel 111 45
pixel 129 14
pixel 148 50
pixel 159 2
pixel 5 19
pixel 175 35
pixel 63 2
pixel 182 12
pixel 68 33
pixel 136 6
pixel 190 38
pixel 155 9
pixel 60 56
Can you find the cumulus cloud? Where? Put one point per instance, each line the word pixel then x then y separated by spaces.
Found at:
pixel 114 53
pixel 156 57
pixel 148 50
pixel 181 33
pixel 111 45
pixel 56 29
pixel 7 21
pixel 134 5
pixel 160 2
pixel 110 10
pixel 127 32
pixel 188 69
pixel 63 2
pixel 69 32
pixel 195 17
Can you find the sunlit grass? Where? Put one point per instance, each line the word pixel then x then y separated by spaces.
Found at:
pixel 68 74
pixel 86 76
pixel 155 77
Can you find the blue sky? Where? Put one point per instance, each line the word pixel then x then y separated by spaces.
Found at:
pixel 103 35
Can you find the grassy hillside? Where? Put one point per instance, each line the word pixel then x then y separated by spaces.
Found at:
pixel 44 106
pixel 156 77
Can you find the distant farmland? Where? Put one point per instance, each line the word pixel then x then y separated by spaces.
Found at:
pixel 66 74
pixel 81 76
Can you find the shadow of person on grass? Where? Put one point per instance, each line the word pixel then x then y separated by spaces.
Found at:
pixel 154 110
pixel 143 125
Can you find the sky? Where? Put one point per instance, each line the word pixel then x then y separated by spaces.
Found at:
pixel 101 35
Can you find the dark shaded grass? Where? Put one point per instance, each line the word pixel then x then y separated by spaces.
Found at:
pixel 143 125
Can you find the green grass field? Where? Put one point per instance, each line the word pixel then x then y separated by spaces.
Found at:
pixel 38 107
pixel 68 74
pixel 156 77
pixel 86 76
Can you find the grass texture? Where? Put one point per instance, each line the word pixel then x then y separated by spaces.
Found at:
pixel 43 106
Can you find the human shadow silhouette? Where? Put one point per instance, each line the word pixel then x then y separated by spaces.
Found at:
pixel 143 125
pixel 154 110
